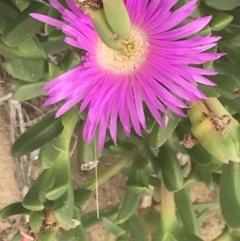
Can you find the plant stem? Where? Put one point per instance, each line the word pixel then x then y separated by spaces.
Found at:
pixel 217 108
pixel 167 208
pixel 112 170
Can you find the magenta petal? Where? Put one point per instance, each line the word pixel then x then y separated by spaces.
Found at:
pixel 160 75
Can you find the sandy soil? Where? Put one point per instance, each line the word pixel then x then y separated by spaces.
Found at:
pixel 9 189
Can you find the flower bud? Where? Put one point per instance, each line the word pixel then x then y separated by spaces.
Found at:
pixel 212 136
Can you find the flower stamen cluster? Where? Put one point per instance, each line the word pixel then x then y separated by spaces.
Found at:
pixel 128 58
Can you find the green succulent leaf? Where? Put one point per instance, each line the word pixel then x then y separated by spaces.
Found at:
pixel 91 218
pixel 186 211
pixel 9 52
pixel 36 220
pixel 48 235
pixel 129 206
pixel 13 209
pixel 82 198
pixel 79 231
pixel 220 19
pixel 86 152
pixel 48 154
pixel 55 43
pixel 35 198
pixel 159 135
pixel 8 9
pixel 63 207
pixel 229 194
pixel 112 227
pixel 204 174
pixel 70 60
pixel 24 27
pixel 39 134
pixel 137 229
pixel 54 13
pixel 27 69
pixel 171 169
pixel 29 91
pixel 222 4
pixel 32 48
pixel 62 178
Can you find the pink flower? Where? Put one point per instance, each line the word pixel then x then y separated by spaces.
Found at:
pixel 157 73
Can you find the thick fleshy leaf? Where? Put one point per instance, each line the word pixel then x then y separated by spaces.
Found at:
pixel 226 82
pixel 138 182
pixel 129 206
pixel 32 48
pixel 35 197
pixel 13 209
pixel 27 69
pixel 230 195
pixel 29 91
pixel 48 235
pixel 232 104
pixel 204 174
pixel 220 19
pixel 8 9
pixel 171 169
pixel 90 219
pixel 82 197
pixel 209 91
pixel 48 154
pixel 222 4
pixel 225 67
pixel 63 207
pixel 78 232
pixel 186 211
pixel 39 134
pixel 54 13
pixel 9 52
pixel 54 45
pixel 233 54
pixel 159 135
pixel 62 178
pixel 67 235
pixel 24 27
pixel 70 60
pixel 36 220
pixel 137 229
pixel 86 152
pixel 180 234
pixel 70 119
pixel 22 5
pixel 112 227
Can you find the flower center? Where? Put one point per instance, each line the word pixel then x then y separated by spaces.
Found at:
pixel 127 59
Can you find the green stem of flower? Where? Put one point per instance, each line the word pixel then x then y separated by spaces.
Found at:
pixel 168 216
pixel 112 170
pixel 217 108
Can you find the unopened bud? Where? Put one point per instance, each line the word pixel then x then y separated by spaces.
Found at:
pixel 212 134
